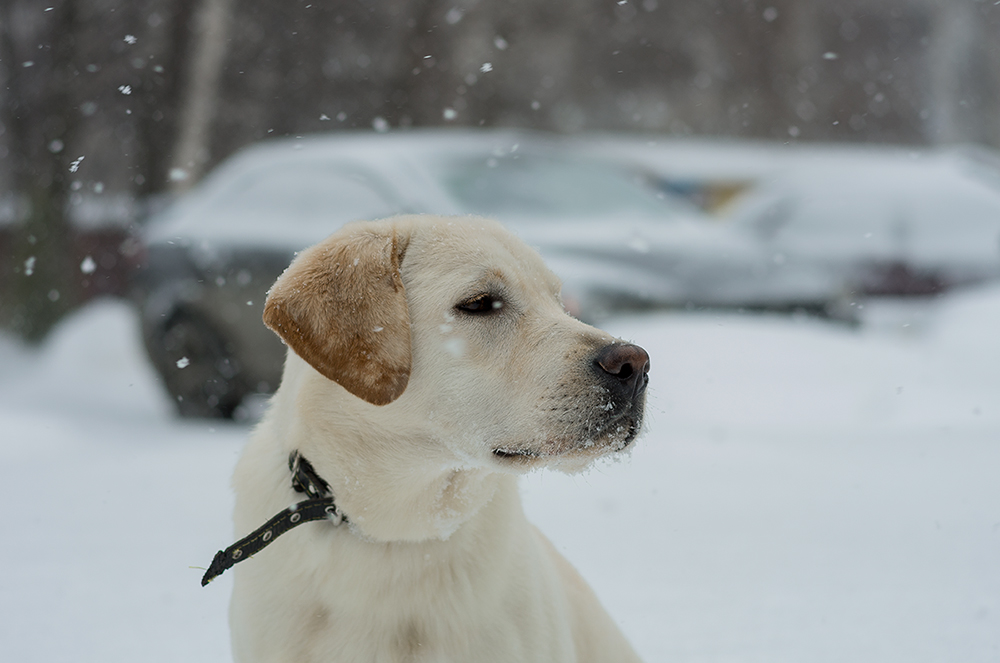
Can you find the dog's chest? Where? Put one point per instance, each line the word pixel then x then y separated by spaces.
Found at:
pixel 416 606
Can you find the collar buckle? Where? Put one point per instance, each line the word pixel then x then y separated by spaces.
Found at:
pixel 304 477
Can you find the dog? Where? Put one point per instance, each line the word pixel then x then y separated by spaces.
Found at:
pixel 431 363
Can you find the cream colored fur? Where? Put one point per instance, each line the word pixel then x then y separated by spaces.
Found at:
pixel 438 562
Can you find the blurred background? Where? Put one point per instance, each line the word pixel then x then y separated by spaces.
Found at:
pixel 793 205
pixel 110 109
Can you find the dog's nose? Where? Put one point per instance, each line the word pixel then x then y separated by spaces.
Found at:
pixel 627 364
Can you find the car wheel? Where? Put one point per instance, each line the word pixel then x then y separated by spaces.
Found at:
pixel 198 366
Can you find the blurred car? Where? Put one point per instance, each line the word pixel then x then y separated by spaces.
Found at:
pixel 875 227
pixel 614 241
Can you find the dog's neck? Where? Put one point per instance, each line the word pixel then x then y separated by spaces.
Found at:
pixel 423 504
pixel 432 492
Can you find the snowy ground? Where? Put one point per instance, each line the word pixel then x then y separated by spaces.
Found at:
pixel 804 493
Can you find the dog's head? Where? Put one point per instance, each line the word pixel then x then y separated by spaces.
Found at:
pixel 456 327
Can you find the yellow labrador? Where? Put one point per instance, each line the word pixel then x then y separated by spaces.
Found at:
pixel 431 364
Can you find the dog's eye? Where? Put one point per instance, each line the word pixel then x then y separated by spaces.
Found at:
pixel 481 305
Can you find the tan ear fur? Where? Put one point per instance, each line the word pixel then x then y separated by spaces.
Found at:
pixel 341 306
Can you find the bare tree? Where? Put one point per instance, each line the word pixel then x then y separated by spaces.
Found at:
pixel 952 40
pixel 210 44
pixel 163 28
pixel 41 79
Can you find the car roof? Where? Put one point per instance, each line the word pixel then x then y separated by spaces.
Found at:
pixel 401 163
pixel 379 148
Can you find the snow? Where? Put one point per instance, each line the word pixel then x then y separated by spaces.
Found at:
pixel 804 492
pixel 940 208
pixel 109 501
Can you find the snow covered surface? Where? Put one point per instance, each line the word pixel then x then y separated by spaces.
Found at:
pixel 316 184
pixel 804 492
pixel 940 208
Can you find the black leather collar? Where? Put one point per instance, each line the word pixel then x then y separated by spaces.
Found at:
pixel 319 506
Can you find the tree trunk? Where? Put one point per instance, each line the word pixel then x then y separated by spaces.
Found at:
pixel 41 121
pixel 201 98
pixel 953 35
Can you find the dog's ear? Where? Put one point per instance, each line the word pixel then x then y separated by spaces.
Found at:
pixel 341 306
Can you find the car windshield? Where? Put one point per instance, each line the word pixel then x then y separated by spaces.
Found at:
pixel 304 192
pixel 284 203
pixel 523 185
